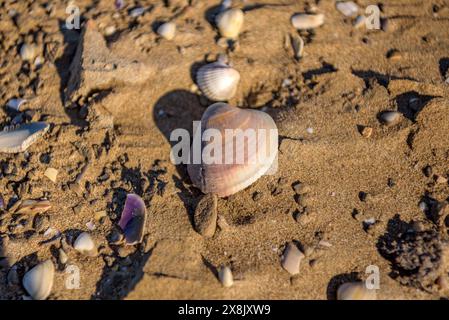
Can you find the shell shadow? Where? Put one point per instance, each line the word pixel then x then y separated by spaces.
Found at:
pixel 444 68
pixel 411 109
pixel 338 280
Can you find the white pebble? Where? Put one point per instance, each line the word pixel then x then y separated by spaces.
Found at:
pixel 225 276
pixel 347 8
pixel 291 259
pixel 167 30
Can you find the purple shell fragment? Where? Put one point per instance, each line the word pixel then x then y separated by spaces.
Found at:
pixel 133 219
pixel 119 4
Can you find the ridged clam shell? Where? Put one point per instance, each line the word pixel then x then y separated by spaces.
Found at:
pixel 355 291
pixel 20 138
pixel 167 30
pixel 38 282
pixel 218 81
pixel 304 21
pixel 230 22
pixel 229 176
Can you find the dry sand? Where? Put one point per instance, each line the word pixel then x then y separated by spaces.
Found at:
pixel 346 78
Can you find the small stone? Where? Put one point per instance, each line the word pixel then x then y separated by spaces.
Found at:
pixel 347 8
pixel 167 30
pixel 28 52
pixel 291 259
pixel 205 218
pixel 109 31
pixel 389 117
pixel 225 276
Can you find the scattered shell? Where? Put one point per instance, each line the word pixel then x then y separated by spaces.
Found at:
pixel 85 244
pixel 51 173
pixel 136 12
pixel 38 282
pixel 20 138
pixel 167 30
pixel 133 219
pixel 359 22
pixel 227 176
pixel 355 291
pixel 110 30
pixel 366 132
pixel 39 61
pixel 100 214
pixel 291 259
pixel 225 276
pixel 62 256
pixel 298 46
pixel 90 225
pixel 15 104
pixel 347 8
pixel 218 81
pixel 31 206
pixel 230 22
pixel 389 117
pixel 28 52
pixel 304 21
pixel 205 218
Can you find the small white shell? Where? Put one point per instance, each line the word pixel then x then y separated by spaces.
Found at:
pixel 225 276
pixel 15 104
pixel 85 244
pixel 355 291
pixel 390 117
pixel 218 81
pixel 38 282
pixel 347 8
pixel 28 52
pixel 304 21
pixel 291 259
pixel 230 23
pixel 167 30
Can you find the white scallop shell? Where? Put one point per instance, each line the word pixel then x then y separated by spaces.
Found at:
pixel 167 30
pixel 304 21
pixel 230 23
pixel 38 282
pixel 355 291
pixel 218 81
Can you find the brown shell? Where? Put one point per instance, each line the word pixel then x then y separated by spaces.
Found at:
pixel 229 177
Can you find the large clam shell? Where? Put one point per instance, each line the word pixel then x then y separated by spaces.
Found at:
pixel 218 81
pixel 251 157
pixel 20 138
pixel 230 22
pixel 38 282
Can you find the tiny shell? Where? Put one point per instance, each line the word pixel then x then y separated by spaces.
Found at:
pixel 136 12
pixel 51 173
pixel 31 206
pixel 167 30
pixel 38 282
pixel 15 104
pixel 230 22
pixel 347 8
pixel 355 291
pixel 304 21
pixel 133 219
pixel 225 276
pixel 20 138
pixel 291 259
pixel 218 81
pixel 389 117
pixel 85 244
pixel 28 52
pixel 298 46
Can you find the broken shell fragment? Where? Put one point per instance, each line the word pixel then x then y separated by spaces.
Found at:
pixel 85 245
pixel 167 30
pixel 51 173
pixel 304 21
pixel 15 104
pixel 133 218
pixel 298 46
pixel 291 259
pixel 38 282
pixel 355 291
pixel 230 22
pixel 347 8
pixel 18 139
pixel 205 218
pixel 218 81
pixel 31 206
pixel 227 172
pixel 225 276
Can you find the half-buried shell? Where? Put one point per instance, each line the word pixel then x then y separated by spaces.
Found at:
pixel 230 22
pixel 18 139
pixel 38 282
pixel 133 219
pixel 237 147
